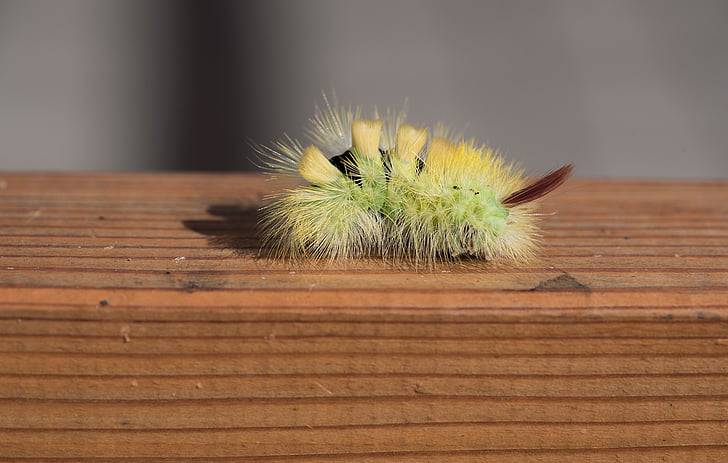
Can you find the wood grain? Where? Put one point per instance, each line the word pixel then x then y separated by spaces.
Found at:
pixel 138 323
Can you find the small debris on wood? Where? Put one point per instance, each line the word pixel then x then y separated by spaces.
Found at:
pixel 103 302
pixel 125 333
pixel 109 247
pixel 134 383
pixel 179 259
pixel 323 388
pixel 34 215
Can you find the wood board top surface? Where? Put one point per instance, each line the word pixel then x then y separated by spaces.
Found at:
pixel 138 322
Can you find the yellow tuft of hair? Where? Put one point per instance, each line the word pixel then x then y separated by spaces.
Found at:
pixel 314 167
pixel 439 154
pixel 410 141
pixel 365 135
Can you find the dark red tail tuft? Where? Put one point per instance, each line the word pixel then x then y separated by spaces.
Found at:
pixel 540 187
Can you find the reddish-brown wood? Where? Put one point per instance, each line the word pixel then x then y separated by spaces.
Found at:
pixel 138 323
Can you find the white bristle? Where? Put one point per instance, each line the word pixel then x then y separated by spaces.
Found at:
pixel 315 168
pixel 365 135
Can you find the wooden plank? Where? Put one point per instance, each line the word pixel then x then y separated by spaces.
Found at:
pixel 403 437
pixel 351 411
pixel 640 386
pixel 137 323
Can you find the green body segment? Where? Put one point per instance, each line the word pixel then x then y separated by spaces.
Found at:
pixel 441 218
pixel 333 220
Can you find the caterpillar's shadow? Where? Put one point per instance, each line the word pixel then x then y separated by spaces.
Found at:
pixel 235 227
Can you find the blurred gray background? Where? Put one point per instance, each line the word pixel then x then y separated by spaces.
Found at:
pixel 622 88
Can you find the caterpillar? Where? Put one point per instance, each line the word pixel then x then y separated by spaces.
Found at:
pixel 380 187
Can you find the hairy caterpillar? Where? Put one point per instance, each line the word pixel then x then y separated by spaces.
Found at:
pixel 381 187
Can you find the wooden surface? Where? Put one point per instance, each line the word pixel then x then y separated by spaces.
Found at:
pixel 136 323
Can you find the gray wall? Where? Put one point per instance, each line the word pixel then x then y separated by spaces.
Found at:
pixel 622 88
